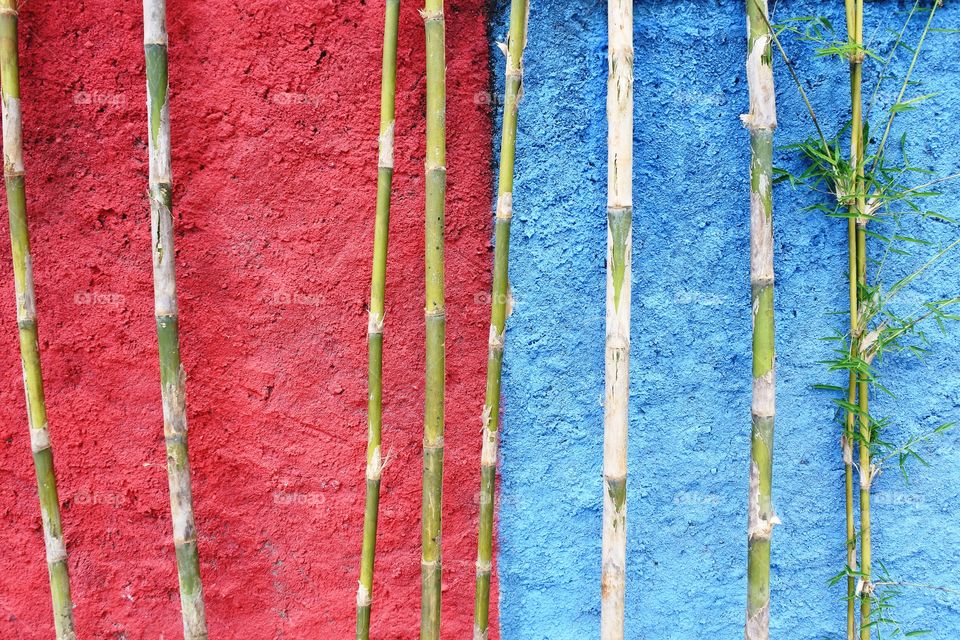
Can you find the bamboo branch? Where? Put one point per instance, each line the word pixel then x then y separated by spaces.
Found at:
pixel 375 463
pixel 436 323
pixel 13 173
pixel 761 121
pixel 499 309
pixel 172 375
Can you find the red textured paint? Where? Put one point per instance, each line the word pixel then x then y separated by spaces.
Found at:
pixel 274 120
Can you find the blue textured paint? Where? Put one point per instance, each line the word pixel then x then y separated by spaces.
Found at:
pixel 691 338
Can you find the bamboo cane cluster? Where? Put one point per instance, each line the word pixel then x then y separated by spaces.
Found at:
pixel 866 187
pixel 856 190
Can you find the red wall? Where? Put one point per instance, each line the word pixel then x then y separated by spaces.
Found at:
pixel 274 116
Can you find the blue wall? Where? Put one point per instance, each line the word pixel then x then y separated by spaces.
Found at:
pixel 691 337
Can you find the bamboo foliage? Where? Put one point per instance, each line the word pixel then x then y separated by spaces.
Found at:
pixel 172 376
pixel 761 122
pixel 617 368
pixel 499 309
pixel 375 324
pixel 436 322
pixel 13 173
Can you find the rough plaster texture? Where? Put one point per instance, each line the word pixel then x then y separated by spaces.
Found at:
pixel 275 109
pixel 690 412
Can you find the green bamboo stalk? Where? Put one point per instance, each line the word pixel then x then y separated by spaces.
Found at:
pixel 761 121
pixel 849 436
pixel 857 197
pixel 617 356
pixel 388 91
pixel 13 173
pixel 172 376
pixel 499 309
pixel 436 322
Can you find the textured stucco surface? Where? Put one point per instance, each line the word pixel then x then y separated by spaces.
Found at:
pixel 275 109
pixel 691 342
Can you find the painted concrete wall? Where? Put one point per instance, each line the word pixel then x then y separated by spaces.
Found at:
pixel 274 123
pixel 691 342
pixel 275 109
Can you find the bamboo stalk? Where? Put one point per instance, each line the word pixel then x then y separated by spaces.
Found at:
pixel 388 91
pixel 436 323
pixel 849 435
pixel 499 309
pixel 617 365
pixel 13 173
pixel 172 376
pixel 857 195
pixel 761 121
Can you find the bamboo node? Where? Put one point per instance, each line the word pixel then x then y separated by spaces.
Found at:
pixel 435 313
pixel 758 624
pixel 363 596
pixel 763 110
pixel 375 465
pixel 56 549
pixel 505 206
pixel 864 588
pixel 385 159
pixel 869 346
pixel 435 15
pixel 39 439
pixel 375 324
pixel 179 540
pixel 8 11
pixel 484 567
pixel 488 452
pixel 496 339
pixel 480 634
pixel 434 446
pixel 847 446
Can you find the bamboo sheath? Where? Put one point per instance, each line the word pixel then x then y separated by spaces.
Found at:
pixel 13 173
pixel 172 376
pixel 499 309
pixel 375 323
pixel 617 367
pixel 761 122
